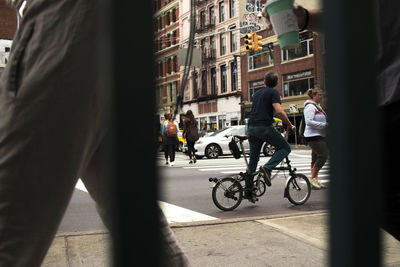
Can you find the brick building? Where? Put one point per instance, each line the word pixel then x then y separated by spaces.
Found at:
pixel 298 70
pixel 167 72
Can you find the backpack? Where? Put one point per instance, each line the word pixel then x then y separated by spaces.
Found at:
pixel 172 130
pixel 302 125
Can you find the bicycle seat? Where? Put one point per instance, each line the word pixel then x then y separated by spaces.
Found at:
pixel 241 137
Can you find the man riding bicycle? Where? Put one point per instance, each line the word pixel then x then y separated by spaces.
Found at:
pixel 260 130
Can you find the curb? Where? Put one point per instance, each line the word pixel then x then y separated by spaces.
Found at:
pixel 239 220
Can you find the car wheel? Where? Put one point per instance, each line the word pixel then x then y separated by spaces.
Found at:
pixel 213 151
pixel 268 150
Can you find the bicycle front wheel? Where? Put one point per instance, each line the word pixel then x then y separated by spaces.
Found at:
pixel 298 189
pixel 259 189
pixel 227 194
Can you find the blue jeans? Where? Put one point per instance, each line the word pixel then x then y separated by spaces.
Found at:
pixel 257 136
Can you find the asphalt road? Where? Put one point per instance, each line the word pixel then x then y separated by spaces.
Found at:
pixel 186 186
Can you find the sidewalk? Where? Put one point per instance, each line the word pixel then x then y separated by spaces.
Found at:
pixel 279 240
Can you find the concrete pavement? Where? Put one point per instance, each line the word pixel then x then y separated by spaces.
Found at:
pixel 299 239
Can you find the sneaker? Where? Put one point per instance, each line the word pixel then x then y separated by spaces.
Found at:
pixel 194 159
pixel 314 183
pixel 172 163
pixel 190 161
pixel 166 163
pixel 250 196
pixel 321 185
pixel 267 175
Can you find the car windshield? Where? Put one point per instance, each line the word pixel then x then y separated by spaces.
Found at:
pixel 220 131
pixel 236 130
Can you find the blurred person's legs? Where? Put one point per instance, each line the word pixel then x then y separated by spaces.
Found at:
pixel 391 181
pixel 273 137
pixel 53 127
pixel 173 255
pixel 255 144
pixel 319 156
pixel 52 122
pixel 171 152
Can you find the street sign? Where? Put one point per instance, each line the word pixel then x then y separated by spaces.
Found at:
pixel 293 108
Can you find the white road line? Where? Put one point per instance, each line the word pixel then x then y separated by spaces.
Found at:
pixel 173 213
pixel 178 214
pixel 79 185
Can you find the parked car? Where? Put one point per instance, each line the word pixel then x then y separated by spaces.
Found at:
pixel 216 144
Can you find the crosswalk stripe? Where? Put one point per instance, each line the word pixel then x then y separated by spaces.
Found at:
pixel 79 185
pixel 175 214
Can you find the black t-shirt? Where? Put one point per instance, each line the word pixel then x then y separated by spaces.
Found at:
pixel 262 110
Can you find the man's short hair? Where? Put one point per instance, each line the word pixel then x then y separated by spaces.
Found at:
pixel 271 79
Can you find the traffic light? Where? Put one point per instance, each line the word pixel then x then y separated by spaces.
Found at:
pixel 248 42
pixel 257 45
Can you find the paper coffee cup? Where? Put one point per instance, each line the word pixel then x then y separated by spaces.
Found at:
pixel 284 22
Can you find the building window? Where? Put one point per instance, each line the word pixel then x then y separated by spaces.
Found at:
pixel 168 40
pixel 224 79
pixel 212 15
pixel 260 59
pixel 221 121
pixel 234 43
pixel 170 92
pixel 213 47
pixel 195 85
pixel 160 69
pixel 234 76
pixel 174 37
pixel 159 23
pixel 214 89
pixel 204 82
pixel 306 48
pixel 202 19
pixel 168 18
pixel 232 10
pixel 298 87
pixel 169 64
pixel 174 15
pixel 222 44
pixel 222 15
pixel 175 64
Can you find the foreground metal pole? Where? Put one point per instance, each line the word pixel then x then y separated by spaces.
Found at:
pixel 126 57
pixel 354 142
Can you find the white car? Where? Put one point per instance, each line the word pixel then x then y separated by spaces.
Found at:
pixel 216 144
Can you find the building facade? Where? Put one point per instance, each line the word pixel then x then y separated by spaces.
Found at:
pixel 213 90
pixel 298 70
pixel 166 40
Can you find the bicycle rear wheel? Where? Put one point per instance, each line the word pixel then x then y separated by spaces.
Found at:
pixel 298 189
pixel 227 194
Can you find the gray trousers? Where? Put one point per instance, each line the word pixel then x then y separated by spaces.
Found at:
pixel 53 129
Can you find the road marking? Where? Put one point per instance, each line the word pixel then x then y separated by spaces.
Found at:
pixel 172 212
pixel 176 214
pixel 79 185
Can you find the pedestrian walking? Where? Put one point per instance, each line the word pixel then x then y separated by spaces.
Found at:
pixel 191 133
pixel 316 123
pixel 55 127
pixel 170 138
pixel 266 101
